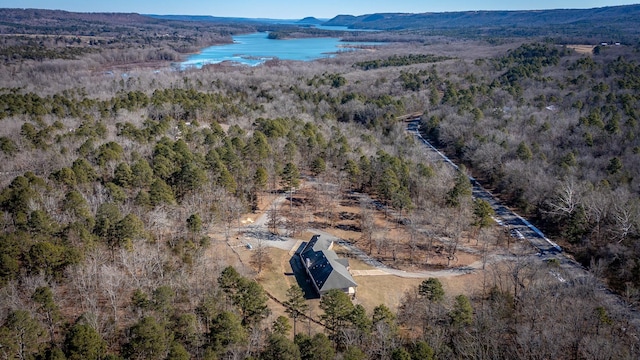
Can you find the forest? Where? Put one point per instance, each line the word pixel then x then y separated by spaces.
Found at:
pixel 124 182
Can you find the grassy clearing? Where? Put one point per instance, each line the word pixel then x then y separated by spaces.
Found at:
pixel 275 278
pixel 582 49
pixel 386 289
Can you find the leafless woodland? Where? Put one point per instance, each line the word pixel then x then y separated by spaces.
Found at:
pixel 105 157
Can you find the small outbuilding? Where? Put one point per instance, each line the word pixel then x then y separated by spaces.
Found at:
pixel 323 267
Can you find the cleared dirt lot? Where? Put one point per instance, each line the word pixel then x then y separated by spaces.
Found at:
pixel 409 265
pixel 582 49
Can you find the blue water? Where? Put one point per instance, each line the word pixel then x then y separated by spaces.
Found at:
pixel 255 49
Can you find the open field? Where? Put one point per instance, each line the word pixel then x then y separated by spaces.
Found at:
pixel 582 49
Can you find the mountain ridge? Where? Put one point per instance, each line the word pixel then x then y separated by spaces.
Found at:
pixel 524 18
pixel 614 23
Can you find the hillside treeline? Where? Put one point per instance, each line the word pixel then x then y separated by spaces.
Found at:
pixel 557 135
pixel 121 39
pixel 612 23
pixel 112 184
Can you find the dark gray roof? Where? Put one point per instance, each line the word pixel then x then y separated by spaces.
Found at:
pixel 326 269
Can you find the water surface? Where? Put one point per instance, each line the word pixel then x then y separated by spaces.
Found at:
pixel 255 49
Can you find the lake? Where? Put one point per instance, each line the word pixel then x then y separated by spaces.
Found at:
pixel 255 49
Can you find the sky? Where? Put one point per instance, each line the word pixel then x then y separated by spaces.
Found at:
pixel 297 9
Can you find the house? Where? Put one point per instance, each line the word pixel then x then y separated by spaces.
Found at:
pixel 323 267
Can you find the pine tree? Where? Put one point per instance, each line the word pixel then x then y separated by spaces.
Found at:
pixel 318 347
pixel 194 223
pixel 318 166
pixel 178 352
pixel 127 230
pixel 400 354
pixel 462 312
pixel 48 308
pixel 338 311
pixel 290 180
pixel 251 300
pixel 141 173
pixel 148 340
pixel 432 290
pixel 229 279
pixel 161 193
pixel 461 189
pixel 123 175
pixel 359 319
pixel 482 213
pixel 296 305
pixel 421 350
pixel 84 342
pixel 281 326
pixel 354 353
pixel 280 348
pixel 290 176
pixel 226 330
pixel 21 336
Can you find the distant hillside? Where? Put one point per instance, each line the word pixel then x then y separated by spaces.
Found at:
pixel 238 20
pixel 189 18
pixel 58 22
pixel 59 19
pixel 616 20
pixel 342 20
pixel 310 21
pixel 617 23
pixel 67 35
pixel 208 18
pixel 385 21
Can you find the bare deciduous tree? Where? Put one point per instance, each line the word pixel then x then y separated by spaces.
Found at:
pixel 568 196
pixel 367 225
pixel 260 258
